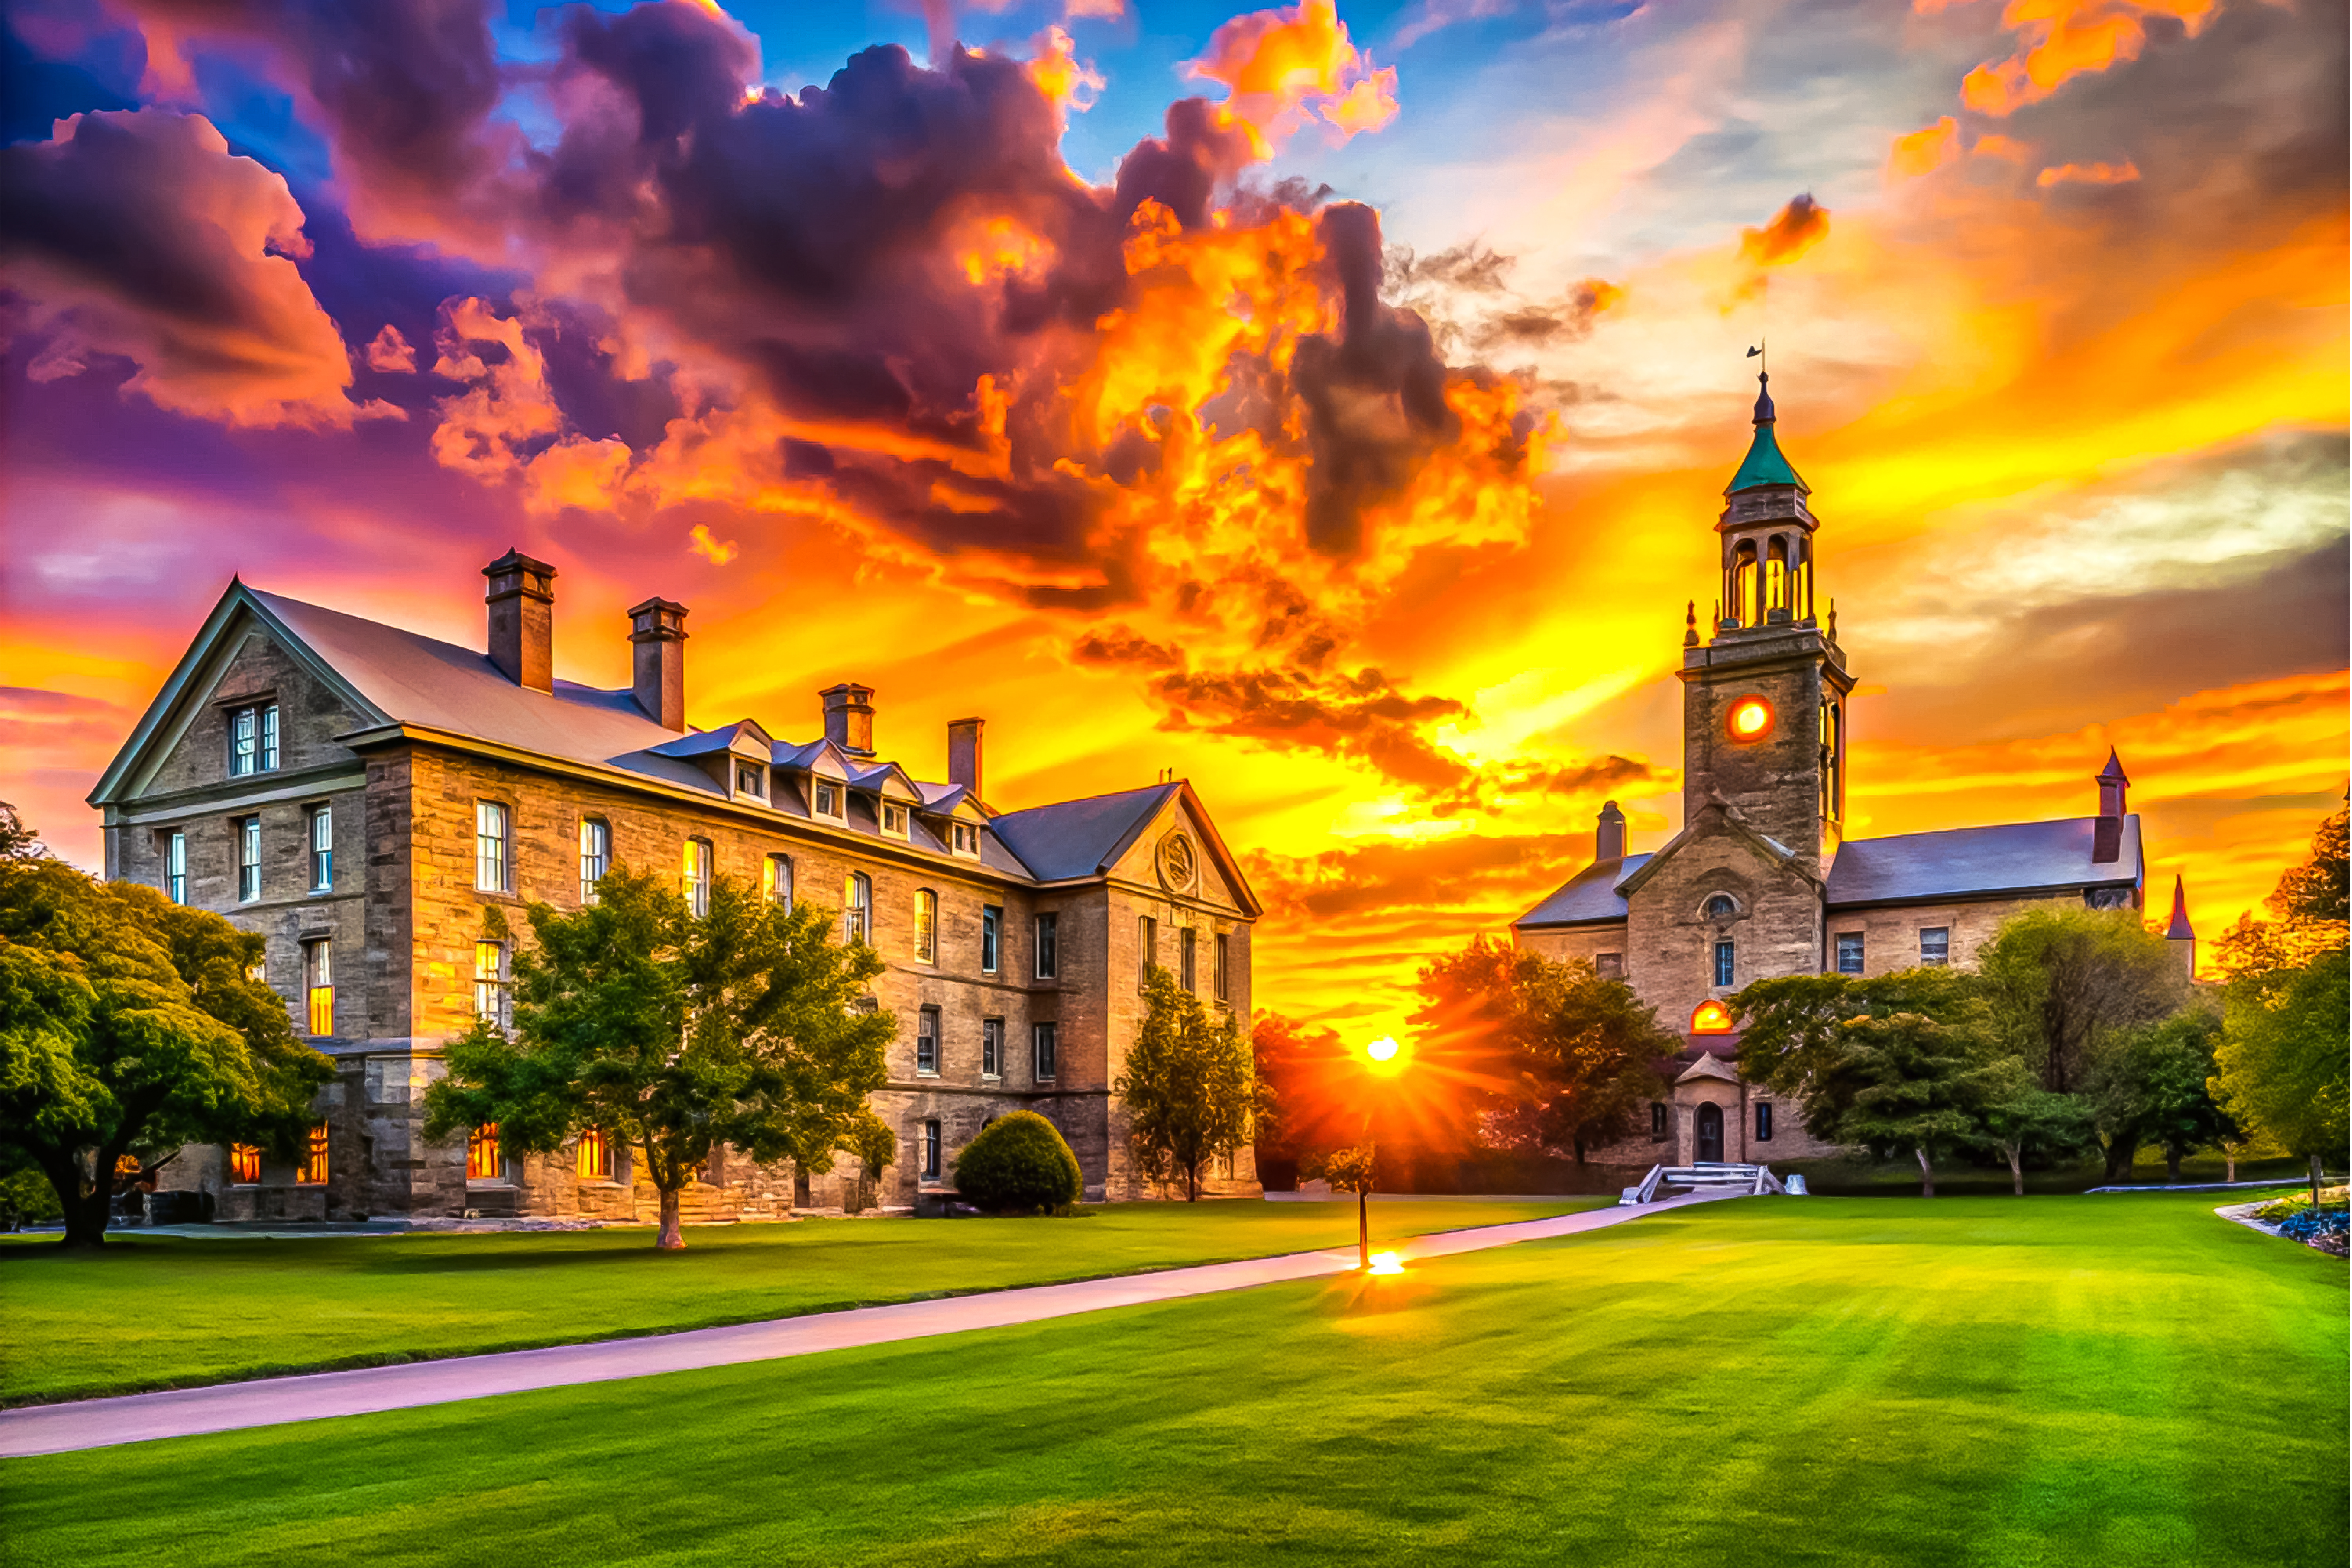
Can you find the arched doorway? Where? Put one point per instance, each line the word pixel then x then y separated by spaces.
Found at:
pixel 1710 1133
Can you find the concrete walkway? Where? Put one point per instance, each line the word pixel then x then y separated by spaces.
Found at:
pixel 269 1402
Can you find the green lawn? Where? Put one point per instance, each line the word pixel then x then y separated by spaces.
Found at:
pixel 162 1313
pixel 2077 1380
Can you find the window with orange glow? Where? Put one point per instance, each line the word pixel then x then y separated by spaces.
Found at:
pixel 595 1156
pixel 1712 1018
pixel 318 986
pixel 1751 718
pixel 312 1172
pixel 483 1161
pixel 245 1163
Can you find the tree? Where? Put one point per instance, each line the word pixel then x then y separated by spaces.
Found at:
pixel 2280 1069
pixel 2149 1085
pixel 2060 981
pixel 1568 1057
pixel 1295 1066
pixel 675 1034
pixel 1020 1164
pixel 1899 1063
pixel 1188 1086
pixel 2021 1120
pixel 132 1026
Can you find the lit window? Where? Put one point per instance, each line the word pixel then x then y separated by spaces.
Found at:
pixel 927 924
pixel 964 838
pixel 695 870
pixel 858 908
pixel 319 985
pixel 492 866
pixel 930 1151
pixel 595 856
pixel 245 1163
pixel 1763 1122
pixel 992 929
pixel 1147 942
pixel 926 1041
pixel 751 779
pixel 1712 1018
pixel 175 867
pixel 1048 950
pixel 595 1162
pixel 1935 945
pixel 493 986
pixel 1657 1119
pixel 1721 908
pixel 1849 953
pixel 776 880
pixel 992 1048
pixel 1723 963
pixel 249 860
pixel 894 820
pixel 1040 1048
pixel 1187 966
pixel 1609 966
pixel 484 1162
pixel 253 741
pixel 828 801
pixel 1751 718
pixel 323 850
pixel 1225 960
pixel 312 1172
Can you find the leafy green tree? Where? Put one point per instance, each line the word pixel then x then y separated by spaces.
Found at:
pixel 2280 1069
pixel 2149 1085
pixel 2022 1121
pixel 1898 1063
pixel 1296 1069
pixel 132 1026
pixel 2061 982
pixel 1188 1087
pixel 1566 1060
pixel 1020 1164
pixel 676 1034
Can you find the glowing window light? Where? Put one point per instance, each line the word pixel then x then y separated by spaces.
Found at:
pixel 1387 1263
pixel 1712 1018
pixel 1751 718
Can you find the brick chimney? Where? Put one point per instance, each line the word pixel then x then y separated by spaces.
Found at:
pixel 849 717
pixel 2107 831
pixel 657 661
pixel 521 597
pixel 1609 834
pixel 963 755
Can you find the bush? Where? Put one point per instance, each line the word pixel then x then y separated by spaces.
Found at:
pixel 1019 1165
pixel 29 1198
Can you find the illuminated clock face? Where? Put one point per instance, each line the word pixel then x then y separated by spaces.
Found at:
pixel 1751 718
pixel 1712 1018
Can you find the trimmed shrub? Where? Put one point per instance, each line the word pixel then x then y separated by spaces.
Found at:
pixel 1019 1165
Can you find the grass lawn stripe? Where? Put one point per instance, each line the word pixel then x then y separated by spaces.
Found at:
pixel 1872 1381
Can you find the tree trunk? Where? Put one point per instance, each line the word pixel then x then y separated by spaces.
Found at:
pixel 2172 1165
pixel 671 1239
pixel 2016 1169
pixel 2229 1166
pixel 86 1214
pixel 1926 1171
pixel 2120 1153
pixel 2315 1174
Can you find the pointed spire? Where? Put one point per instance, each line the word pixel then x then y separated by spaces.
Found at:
pixel 1764 415
pixel 2114 771
pixel 1764 465
pixel 1690 624
pixel 2179 930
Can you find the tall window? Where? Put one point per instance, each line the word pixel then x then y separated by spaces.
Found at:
pixel 1849 953
pixel 1186 962
pixel 930 1151
pixel 992 1048
pixel 596 1161
pixel 595 856
pixel 493 866
pixel 175 866
pixel 1657 1119
pixel 696 872
pixel 776 880
pixel 493 986
pixel 927 926
pixel 1041 1048
pixel 1147 945
pixel 1935 945
pixel 1225 960
pixel 249 860
pixel 926 1041
pixel 312 1171
pixel 319 984
pixel 1763 1122
pixel 244 1164
pixel 991 938
pixel 1723 963
pixel 858 908
pixel 483 1161
pixel 1048 954
pixel 322 848
pixel 253 741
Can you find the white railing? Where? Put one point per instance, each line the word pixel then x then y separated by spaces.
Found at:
pixel 1757 1179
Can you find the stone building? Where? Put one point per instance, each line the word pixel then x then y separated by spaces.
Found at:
pixel 1762 880
pixel 382 805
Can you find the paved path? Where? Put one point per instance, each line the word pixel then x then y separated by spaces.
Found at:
pixel 267 1402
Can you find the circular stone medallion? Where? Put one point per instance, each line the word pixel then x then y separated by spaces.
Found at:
pixel 1179 865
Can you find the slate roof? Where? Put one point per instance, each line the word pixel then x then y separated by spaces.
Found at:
pixel 1971 862
pixel 1079 837
pixel 1589 898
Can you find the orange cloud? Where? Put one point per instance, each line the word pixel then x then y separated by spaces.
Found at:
pixel 2060 39
pixel 1923 151
pixel 1283 66
pixel 390 352
pixel 1067 81
pixel 2088 175
pixel 1795 230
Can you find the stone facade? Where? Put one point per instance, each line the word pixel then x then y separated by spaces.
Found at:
pixel 401 913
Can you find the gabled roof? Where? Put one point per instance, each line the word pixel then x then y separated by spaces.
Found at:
pixel 1589 898
pixel 1975 862
pixel 1771 850
pixel 754 742
pixel 1080 838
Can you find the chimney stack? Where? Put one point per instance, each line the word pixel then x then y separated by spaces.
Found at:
pixel 2107 831
pixel 963 755
pixel 1609 836
pixel 521 597
pixel 849 717
pixel 657 661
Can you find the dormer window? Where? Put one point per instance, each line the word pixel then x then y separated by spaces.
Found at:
pixel 828 801
pixel 751 779
pixel 894 820
pixel 963 838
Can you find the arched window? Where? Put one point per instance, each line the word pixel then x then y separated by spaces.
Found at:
pixel 1721 908
pixel 1776 573
pixel 858 908
pixel 927 926
pixel 1742 608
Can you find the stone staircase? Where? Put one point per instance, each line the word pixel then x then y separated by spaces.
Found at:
pixel 1752 1180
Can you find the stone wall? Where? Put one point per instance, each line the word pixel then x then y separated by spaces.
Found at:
pixel 1775 929
pixel 1891 933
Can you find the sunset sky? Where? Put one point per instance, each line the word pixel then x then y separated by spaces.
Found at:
pixel 1331 407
